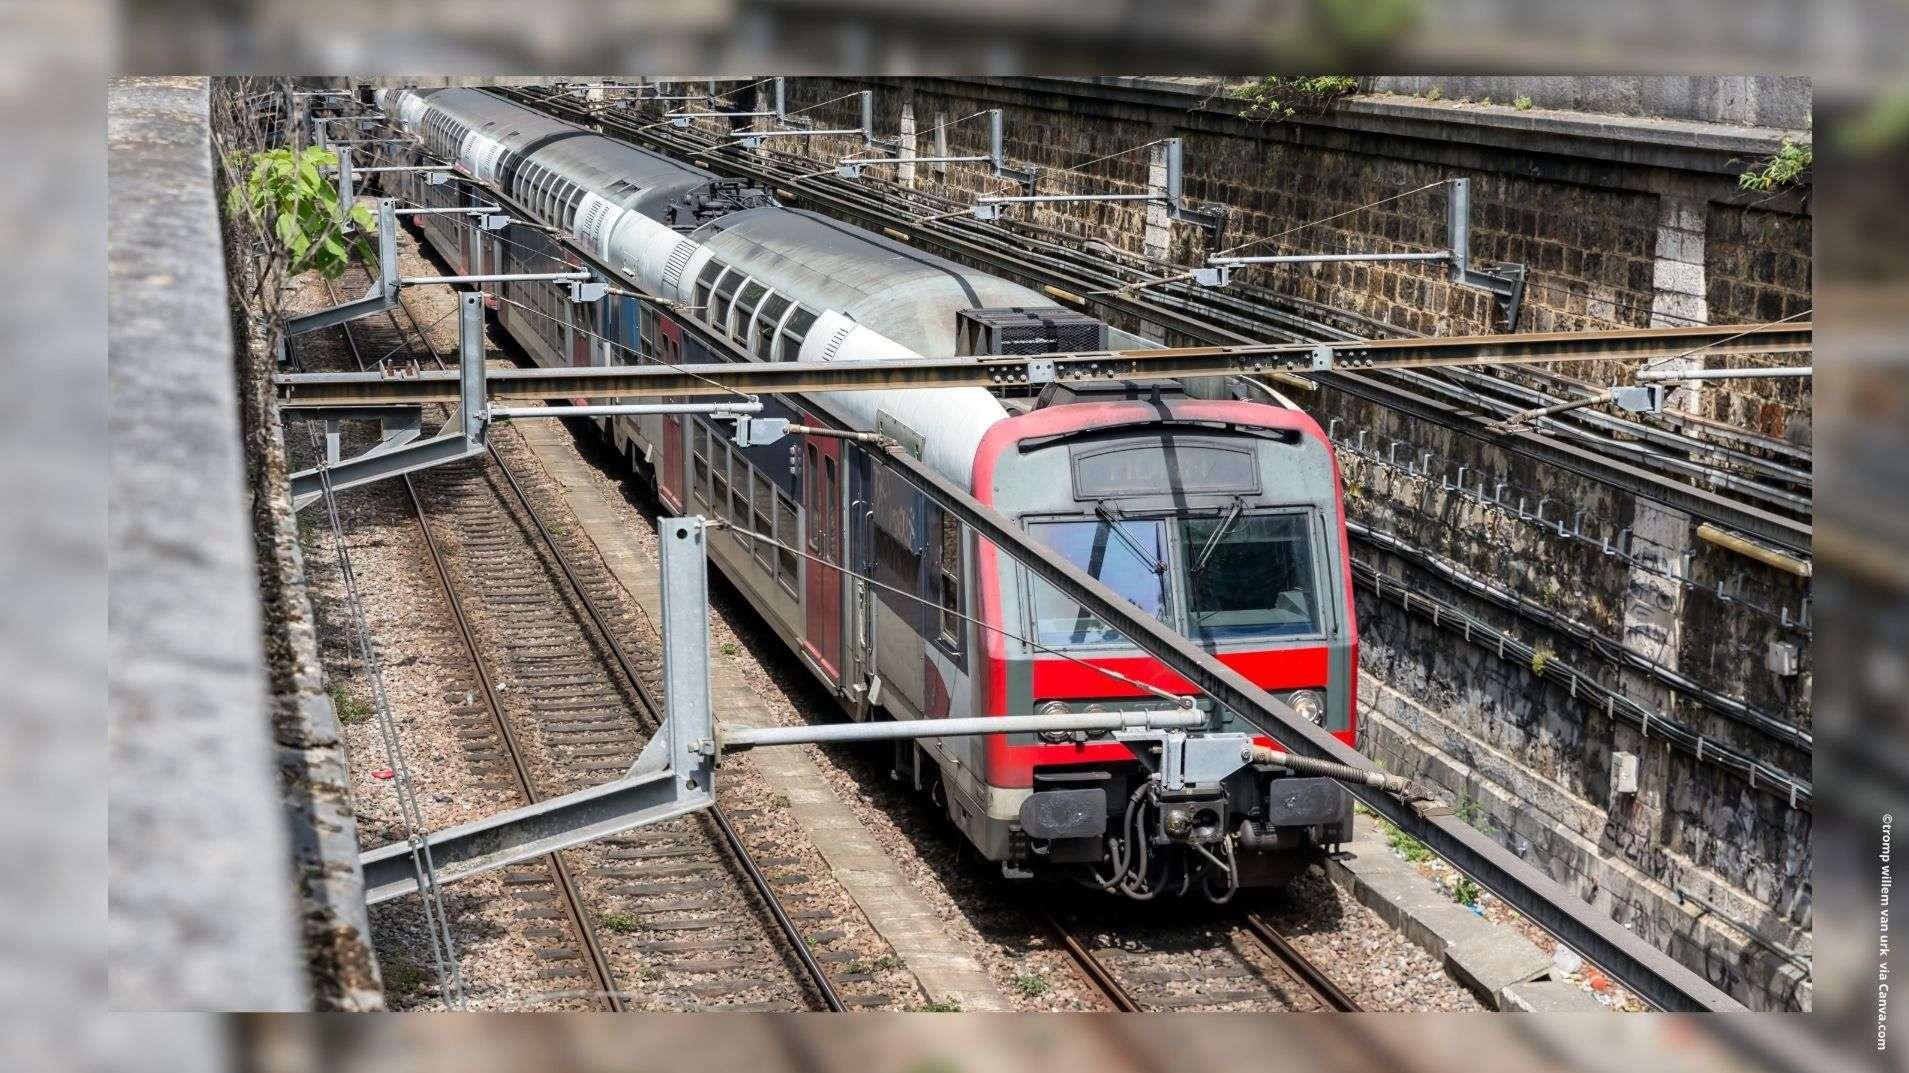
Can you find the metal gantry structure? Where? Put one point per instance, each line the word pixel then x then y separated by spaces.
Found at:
pixel 675 773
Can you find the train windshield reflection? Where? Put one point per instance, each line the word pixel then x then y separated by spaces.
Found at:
pixel 1128 555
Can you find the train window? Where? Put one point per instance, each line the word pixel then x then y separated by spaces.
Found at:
pixel 1128 555
pixel 948 569
pixel 897 550
pixel 794 332
pixel 725 293
pixel 706 283
pixel 746 308
pixel 740 472
pixel 1142 468
pixel 1250 576
pixel 766 321
pixel 764 519
pixel 788 539
pixel 646 320
pixel 719 479
pixel 573 198
pixel 699 451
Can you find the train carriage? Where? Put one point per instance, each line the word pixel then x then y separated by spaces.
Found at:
pixel 1220 516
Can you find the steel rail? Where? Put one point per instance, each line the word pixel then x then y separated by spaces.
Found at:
pixel 1299 966
pixel 818 978
pixel 805 377
pixel 1088 967
pixel 572 895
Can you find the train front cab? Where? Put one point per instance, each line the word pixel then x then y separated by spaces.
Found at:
pixel 1224 520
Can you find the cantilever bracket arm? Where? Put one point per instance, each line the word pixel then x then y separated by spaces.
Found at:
pixel 384 287
pixel 401 452
pixel 674 775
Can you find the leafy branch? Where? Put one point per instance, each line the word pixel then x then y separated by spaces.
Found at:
pixel 286 191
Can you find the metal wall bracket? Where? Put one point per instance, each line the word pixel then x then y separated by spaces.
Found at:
pixel 384 289
pixel 1639 398
pixel 1505 280
pixel 1213 219
pixel 995 158
pixel 760 431
pixel 750 139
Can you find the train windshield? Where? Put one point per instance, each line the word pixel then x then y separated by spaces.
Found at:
pixel 1250 576
pixel 1128 555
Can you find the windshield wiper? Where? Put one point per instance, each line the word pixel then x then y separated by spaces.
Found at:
pixel 1219 533
pixel 1113 519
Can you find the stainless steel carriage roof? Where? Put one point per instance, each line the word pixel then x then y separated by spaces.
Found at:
pixel 905 294
pixel 632 178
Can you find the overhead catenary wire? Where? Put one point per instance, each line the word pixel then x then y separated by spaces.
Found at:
pixel 1187 275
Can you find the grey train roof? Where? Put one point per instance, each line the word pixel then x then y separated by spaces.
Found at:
pixel 905 294
pixel 632 178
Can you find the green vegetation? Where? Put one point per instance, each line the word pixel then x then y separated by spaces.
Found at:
pixel 1468 809
pixel 1541 659
pixel 938 1007
pixel 885 963
pixel 1434 93
pixel 617 922
pixel 729 648
pixel 1279 97
pixel 1465 892
pixel 1522 103
pixel 1406 846
pixel 1783 168
pixel 1030 986
pixel 288 195
pixel 349 708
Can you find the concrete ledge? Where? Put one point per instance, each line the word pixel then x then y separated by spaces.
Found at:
pixel 200 909
pixel 1550 996
pixel 1645 141
pixel 1487 958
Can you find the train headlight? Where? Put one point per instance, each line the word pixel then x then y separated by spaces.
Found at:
pixel 1053 707
pixel 1309 704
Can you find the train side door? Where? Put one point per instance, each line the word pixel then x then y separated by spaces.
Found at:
pixel 822 536
pixel 860 555
pixel 669 476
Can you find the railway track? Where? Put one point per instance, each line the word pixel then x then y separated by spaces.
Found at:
pixel 1238 963
pixel 1758 471
pixel 567 707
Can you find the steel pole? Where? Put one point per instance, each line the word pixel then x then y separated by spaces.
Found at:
pixel 971 726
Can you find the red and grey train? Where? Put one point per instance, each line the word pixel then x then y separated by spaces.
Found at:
pixel 1221 516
